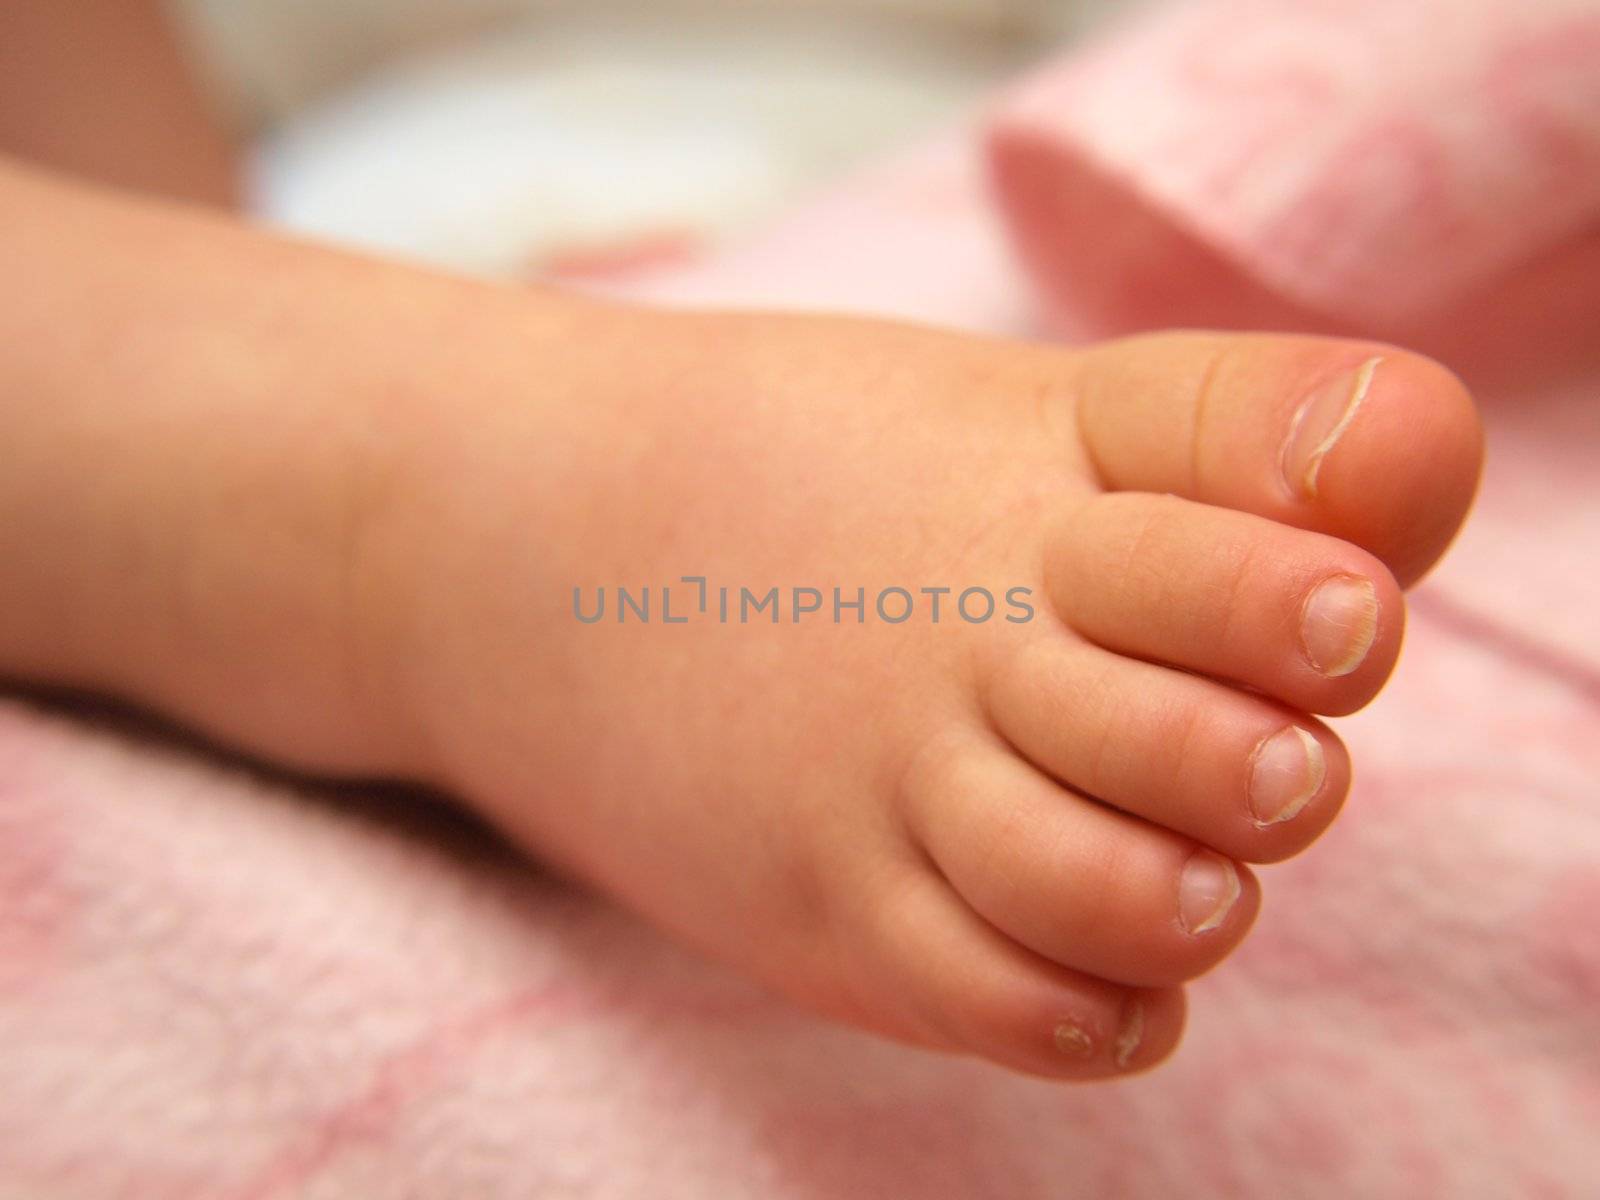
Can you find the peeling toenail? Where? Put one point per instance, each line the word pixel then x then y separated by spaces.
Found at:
pixel 1319 423
pixel 1073 1041
pixel 1131 1033
pixel 1286 772
pixel 1338 624
pixel 1206 892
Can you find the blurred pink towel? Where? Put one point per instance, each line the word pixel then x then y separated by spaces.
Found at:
pixel 1378 163
pixel 218 988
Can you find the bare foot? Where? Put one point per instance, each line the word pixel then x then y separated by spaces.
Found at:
pixel 1013 836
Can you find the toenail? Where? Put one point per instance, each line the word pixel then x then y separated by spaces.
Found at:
pixel 1206 892
pixel 1286 772
pixel 1072 1041
pixel 1131 1033
pixel 1338 624
pixel 1319 423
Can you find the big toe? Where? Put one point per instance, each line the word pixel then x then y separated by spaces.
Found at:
pixel 1375 445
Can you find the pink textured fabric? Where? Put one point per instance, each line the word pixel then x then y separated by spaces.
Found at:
pixel 217 987
pixel 1377 163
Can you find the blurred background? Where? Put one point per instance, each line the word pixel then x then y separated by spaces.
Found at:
pixel 505 137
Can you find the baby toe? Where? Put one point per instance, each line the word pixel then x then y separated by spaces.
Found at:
pixel 1083 885
pixel 955 982
pixel 1250 778
pixel 1372 444
pixel 1309 619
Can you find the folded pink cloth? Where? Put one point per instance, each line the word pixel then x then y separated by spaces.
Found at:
pixel 1362 163
pixel 213 987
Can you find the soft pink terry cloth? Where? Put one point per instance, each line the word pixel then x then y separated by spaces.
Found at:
pixel 1377 164
pixel 214 987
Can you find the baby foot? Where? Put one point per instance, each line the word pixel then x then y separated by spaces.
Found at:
pixel 1010 837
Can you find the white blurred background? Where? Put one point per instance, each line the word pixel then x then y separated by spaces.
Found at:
pixel 501 136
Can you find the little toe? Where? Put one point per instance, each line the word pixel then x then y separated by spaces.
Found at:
pixel 958 983
pixel 1307 618
pixel 1245 776
pixel 1081 884
pixel 1369 443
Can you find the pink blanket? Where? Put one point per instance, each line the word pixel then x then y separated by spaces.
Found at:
pixel 217 986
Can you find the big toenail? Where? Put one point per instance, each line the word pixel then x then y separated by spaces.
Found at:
pixel 1131 1033
pixel 1072 1041
pixel 1206 892
pixel 1286 773
pixel 1338 624
pixel 1319 423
